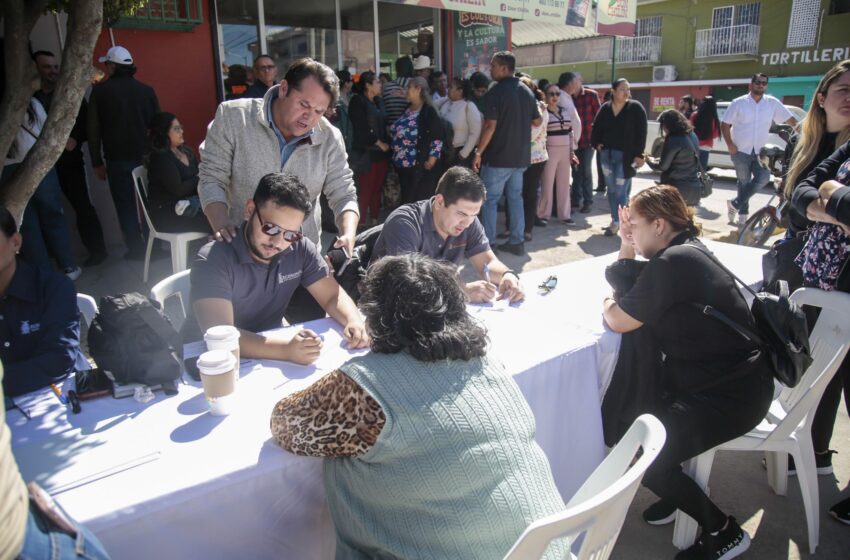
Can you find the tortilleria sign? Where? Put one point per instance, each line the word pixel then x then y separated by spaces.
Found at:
pixel 808 56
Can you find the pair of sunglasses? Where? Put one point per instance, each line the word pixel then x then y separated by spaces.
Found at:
pixel 549 284
pixel 270 229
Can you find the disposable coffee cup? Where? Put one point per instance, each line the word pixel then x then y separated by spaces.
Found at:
pixel 224 337
pixel 218 374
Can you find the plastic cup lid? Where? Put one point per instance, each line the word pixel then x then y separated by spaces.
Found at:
pixel 221 332
pixel 216 362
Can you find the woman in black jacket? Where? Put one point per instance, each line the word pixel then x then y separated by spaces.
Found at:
pixel 714 385
pixel 679 161
pixel 369 145
pixel 825 128
pixel 173 203
pixel 417 142
pixel 619 136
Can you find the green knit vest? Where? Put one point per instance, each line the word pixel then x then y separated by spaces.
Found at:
pixel 455 472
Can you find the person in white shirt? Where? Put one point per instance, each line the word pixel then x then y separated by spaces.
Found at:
pixel 745 128
pixel 570 84
pixel 439 85
pixel 464 118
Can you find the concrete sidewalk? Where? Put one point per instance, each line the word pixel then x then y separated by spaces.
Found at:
pixel 738 484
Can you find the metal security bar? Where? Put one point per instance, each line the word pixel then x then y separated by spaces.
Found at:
pixel 172 15
pixel 638 49
pixel 736 40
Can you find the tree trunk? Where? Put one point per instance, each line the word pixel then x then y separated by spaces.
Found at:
pixel 84 22
pixel 19 17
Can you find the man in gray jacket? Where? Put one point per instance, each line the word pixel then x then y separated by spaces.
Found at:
pixel 282 132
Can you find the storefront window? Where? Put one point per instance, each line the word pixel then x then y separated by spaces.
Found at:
pixel 238 43
pixel 298 29
pixel 358 35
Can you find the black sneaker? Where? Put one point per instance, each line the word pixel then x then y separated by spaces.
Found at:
pixel 517 249
pixel 660 513
pixel 586 209
pixel 724 545
pixel 503 235
pixel 841 511
pixel 540 222
pixel 569 222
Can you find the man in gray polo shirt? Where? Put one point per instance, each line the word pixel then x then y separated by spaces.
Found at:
pixel 445 228
pixel 249 281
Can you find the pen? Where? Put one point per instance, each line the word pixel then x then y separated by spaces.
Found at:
pixel 58 392
pixel 487 273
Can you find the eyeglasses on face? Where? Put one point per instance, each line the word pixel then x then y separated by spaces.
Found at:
pixel 553 93
pixel 270 229
pixel 760 82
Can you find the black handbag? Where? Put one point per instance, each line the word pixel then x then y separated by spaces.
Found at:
pixel 778 264
pixel 706 181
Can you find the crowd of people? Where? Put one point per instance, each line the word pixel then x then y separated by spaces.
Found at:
pixel 455 148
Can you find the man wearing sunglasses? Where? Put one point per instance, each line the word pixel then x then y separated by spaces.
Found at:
pixel 446 228
pixel 745 128
pixel 249 282
pixel 284 131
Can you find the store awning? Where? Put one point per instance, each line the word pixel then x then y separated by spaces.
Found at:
pixel 525 33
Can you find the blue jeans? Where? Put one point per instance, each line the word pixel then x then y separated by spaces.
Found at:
pixel 44 541
pixel 583 177
pixel 619 187
pixel 751 177
pixel 507 180
pixel 44 229
pixel 119 173
pixel 703 158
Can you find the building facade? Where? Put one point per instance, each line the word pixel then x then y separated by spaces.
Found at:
pixel 710 47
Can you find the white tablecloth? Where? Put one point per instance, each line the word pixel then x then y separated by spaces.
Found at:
pixel 165 479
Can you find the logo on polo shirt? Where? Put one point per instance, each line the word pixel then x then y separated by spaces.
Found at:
pixel 27 327
pixel 281 277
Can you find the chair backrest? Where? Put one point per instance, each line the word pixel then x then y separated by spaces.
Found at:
pixel 829 341
pixel 176 285
pixel 88 308
pixel 598 509
pixel 140 183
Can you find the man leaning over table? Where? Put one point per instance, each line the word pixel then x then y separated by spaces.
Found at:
pixel 284 131
pixel 249 282
pixel 445 227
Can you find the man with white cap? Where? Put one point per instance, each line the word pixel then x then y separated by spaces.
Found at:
pixel 422 66
pixel 120 110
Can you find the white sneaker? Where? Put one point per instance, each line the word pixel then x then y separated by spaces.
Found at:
pixel 731 212
pixel 742 220
pixel 73 272
pixel 180 207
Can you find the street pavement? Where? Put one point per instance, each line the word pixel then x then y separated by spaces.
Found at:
pixel 738 483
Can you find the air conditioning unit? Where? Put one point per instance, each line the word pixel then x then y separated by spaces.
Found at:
pixel 666 73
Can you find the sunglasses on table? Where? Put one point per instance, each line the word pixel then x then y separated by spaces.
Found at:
pixel 549 284
pixel 270 229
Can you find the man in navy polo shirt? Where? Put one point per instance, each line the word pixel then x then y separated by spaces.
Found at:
pixel 39 320
pixel 249 281
pixel 445 228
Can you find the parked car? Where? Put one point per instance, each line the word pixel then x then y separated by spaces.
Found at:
pixel 719 156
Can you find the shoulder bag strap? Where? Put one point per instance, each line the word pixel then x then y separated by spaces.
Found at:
pixel 744 331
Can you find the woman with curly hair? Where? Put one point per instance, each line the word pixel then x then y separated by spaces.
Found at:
pixel 429 443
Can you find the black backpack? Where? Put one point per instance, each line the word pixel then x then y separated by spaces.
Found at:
pixel 782 331
pixel 131 338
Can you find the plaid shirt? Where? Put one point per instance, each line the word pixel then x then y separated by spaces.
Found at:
pixel 587 105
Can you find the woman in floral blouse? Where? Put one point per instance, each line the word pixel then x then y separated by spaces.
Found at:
pixel 417 142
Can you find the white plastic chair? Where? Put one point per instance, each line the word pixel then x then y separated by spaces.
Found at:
pixel 88 308
pixel 787 426
pixel 179 241
pixel 599 507
pixel 176 285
